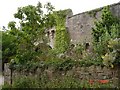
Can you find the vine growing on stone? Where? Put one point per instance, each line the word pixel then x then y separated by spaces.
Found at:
pixel 62 36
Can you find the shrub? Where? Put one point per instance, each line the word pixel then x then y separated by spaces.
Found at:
pixel 60 64
pixel 65 82
pixel 113 56
pixel 6 85
pixel 24 82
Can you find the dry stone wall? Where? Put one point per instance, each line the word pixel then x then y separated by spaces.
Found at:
pixel 7 73
pixel 82 73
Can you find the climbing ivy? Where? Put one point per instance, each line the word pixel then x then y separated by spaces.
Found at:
pixel 62 36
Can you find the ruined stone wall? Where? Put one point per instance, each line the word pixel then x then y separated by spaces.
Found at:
pixel 50 34
pixel 82 73
pixel 80 25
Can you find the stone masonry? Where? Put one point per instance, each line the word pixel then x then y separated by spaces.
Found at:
pixel 80 25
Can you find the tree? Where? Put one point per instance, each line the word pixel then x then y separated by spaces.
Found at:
pixel 105 24
pixel 104 30
pixel 33 21
pixel 106 34
pixel 19 42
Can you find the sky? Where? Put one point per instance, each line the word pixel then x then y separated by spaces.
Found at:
pixel 9 7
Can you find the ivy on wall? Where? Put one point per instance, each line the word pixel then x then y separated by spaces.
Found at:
pixel 62 36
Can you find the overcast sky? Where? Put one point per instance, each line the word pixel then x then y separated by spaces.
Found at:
pixel 9 7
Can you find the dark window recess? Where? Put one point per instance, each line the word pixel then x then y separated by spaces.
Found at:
pixel 37 49
pixel 87 45
pixel 48 33
pixel 52 32
pixel 81 26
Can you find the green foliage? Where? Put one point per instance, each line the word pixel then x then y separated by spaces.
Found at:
pixel 8 47
pixel 62 36
pixel 101 46
pixel 57 82
pixel 25 82
pixel 5 86
pixel 11 25
pixel 30 44
pixel 104 25
pixel 112 58
pixel 20 44
pixel 60 64
pixel 106 34
pixel 44 82
pixel 65 82
pixel 103 28
pixel 30 51
pixel 33 21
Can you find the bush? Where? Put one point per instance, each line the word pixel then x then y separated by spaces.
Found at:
pixel 5 86
pixel 60 64
pixel 57 82
pixel 25 82
pixel 113 56
pixel 65 82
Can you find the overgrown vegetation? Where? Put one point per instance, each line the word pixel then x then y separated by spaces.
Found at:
pixel 26 48
pixel 62 36
pixel 57 82
pixel 106 35
pixel 20 44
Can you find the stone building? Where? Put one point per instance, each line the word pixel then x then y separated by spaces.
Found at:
pixel 80 25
